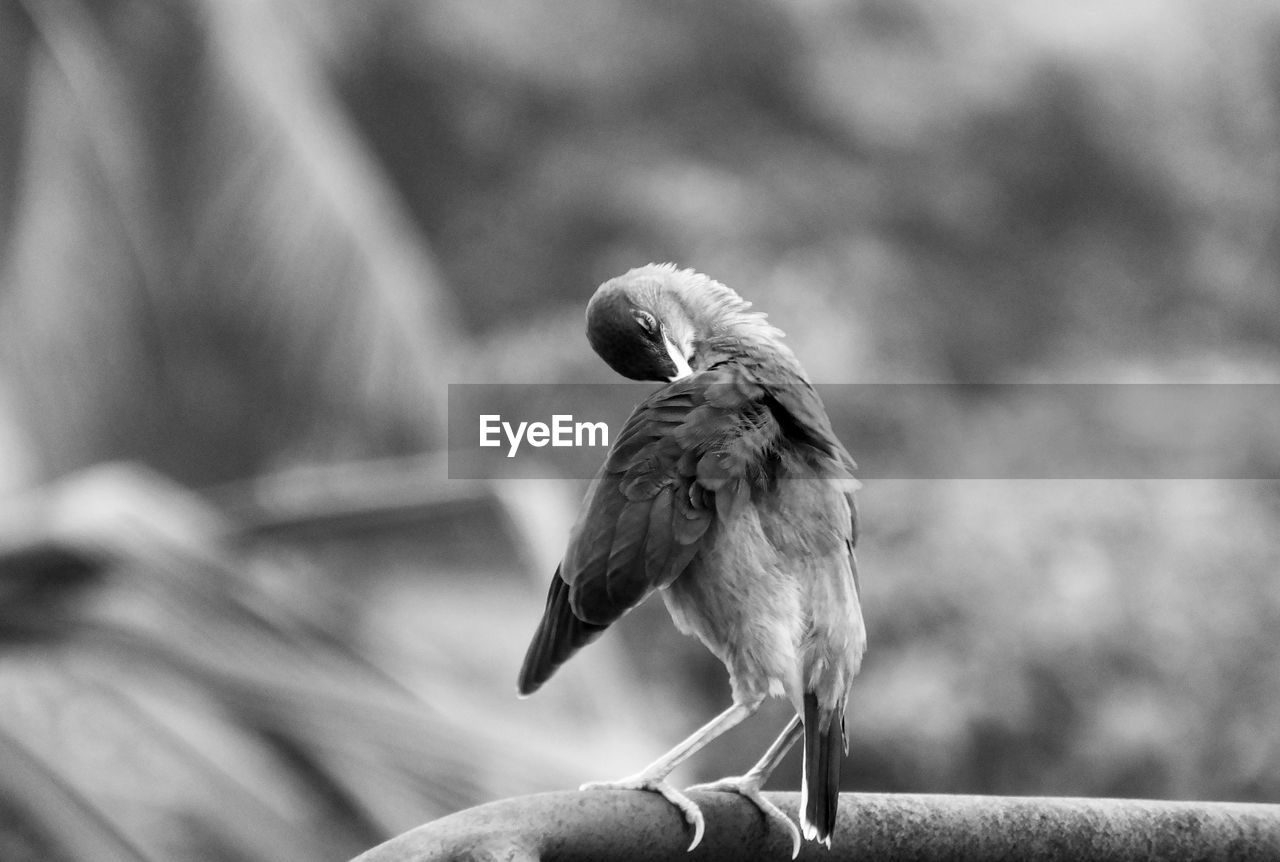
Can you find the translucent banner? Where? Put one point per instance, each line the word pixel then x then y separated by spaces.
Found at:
pixel 911 431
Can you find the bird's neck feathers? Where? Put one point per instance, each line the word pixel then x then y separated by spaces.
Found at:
pixel 727 327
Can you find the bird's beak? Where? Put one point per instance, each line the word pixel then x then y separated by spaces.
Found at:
pixel 677 359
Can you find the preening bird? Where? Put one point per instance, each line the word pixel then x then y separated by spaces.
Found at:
pixel 728 492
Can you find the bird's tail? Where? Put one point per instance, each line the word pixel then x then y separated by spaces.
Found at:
pixel 823 749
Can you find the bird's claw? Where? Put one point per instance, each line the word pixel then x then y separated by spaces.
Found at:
pixel 750 787
pixel 692 814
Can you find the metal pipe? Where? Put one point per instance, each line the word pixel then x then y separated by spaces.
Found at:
pixel 635 826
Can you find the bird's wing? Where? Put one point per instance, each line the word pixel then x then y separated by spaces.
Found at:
pixel 685 454
pixel 655 498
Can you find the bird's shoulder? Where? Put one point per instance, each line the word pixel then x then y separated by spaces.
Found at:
pixel 715 426
pixel 776 379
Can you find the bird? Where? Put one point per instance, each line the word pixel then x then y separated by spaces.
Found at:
pixel 727 492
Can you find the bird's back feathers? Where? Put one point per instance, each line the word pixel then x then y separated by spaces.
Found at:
pixel 685 455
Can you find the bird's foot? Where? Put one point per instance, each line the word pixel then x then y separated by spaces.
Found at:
pixel 659 785
pixel 750 787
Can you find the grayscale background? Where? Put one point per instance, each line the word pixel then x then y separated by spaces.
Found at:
pixel 246 245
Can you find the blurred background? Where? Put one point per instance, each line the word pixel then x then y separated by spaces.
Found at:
pixel 246 244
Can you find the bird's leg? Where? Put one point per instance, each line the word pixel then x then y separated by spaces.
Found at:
pixel 654 776
pixel 750 785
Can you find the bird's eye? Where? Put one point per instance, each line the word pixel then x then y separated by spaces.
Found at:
pixel 646 321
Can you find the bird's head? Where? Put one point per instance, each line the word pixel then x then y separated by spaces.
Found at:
pixel 654 322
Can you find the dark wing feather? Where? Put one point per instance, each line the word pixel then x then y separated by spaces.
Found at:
pixel 648 501
pixel 650 507
pixel 559 635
